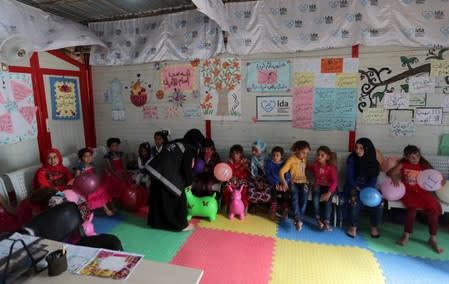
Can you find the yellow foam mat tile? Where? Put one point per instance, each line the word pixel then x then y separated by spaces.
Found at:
pixel 300 262
pixel 252 224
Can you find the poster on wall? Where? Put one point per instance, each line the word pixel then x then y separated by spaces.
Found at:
pixel 324 95
pixel 181 77
pixel 65 103
pixel 268 76
pixel 220 82
pixel 17 109
pixel 429 115
pixel 274 108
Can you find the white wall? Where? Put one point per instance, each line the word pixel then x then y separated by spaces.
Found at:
pixel 244 132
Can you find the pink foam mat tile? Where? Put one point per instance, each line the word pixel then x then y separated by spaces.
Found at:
pixel 227 257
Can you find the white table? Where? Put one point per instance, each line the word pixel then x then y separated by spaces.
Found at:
pixel 146 272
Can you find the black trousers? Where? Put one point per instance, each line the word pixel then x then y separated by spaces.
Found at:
pixel 105 241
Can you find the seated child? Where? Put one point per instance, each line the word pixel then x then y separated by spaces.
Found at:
pixel 116 178
pixel 160 139
pixel 205 183
pixel 325 185
pixel 259 190
pixel 240 174
pixel 143 176
pixel 272 168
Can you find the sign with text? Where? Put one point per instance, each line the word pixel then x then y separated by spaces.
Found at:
pixel 178 77
pixel 429 116
pixel 274 108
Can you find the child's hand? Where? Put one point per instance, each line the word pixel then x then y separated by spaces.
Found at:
pixel 325 196
pixel 284 186
pixel 395 181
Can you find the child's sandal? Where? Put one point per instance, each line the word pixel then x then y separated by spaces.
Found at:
pixel 320 224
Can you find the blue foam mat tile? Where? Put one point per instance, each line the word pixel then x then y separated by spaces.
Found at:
pixel 400 269
pixel 104 224
pixel 310 233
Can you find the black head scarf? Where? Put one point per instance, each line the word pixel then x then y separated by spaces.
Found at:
pixel 367 165
pixel 194 139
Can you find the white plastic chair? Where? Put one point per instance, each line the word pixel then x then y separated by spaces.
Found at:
pixel 22 181
pixel 4 191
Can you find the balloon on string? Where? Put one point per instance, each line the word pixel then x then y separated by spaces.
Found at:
pixel 380 179
pixel 223 172
pixel 389 163
pixel 443 193
pixel 199 166
pixel 86 183
pixel 390 191
pixel 430 180
pixel 370 196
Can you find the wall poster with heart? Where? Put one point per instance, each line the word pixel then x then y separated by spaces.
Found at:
pixel 274 108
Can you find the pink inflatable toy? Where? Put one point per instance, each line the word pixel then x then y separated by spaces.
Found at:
pixel 391 192
pixel 236 207
pixel 430 180
pixel 223 172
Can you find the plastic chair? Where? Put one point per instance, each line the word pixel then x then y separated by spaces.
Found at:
pixel 4 191
pixel 22 181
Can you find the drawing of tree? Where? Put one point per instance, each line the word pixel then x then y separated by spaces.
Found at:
pixel 222 76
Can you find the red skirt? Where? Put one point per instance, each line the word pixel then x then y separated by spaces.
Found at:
pixel 423 200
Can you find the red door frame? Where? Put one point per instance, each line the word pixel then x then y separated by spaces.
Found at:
pixel 351 138
pixel 86 97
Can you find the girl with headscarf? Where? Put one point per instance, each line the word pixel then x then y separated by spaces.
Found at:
pixel 171 172
pixel 53 174
pixel 205 183
pixel 362 171
pixel 259 190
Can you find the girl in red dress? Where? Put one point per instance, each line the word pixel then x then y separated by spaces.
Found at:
pixel 240 173
pixel 53 174
pixel 116 178
pixel 416 198
pixel 99 198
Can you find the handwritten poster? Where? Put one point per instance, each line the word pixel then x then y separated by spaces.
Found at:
pixel 439 68
pixel 178 77
pixel 325 80
pixel 220 81
pixel 331 65
pixel 191 111
pixel 350 65
pixel 396 100
pixel 429 116
pixel 400 115
pixel 150 112
pixel 302 107
pixel 65 104
pixel 445 103
pixel 417 99
pixel 306 79
pixel 402 128
pixel 17 109
pixel 375 116
pixel 347 80
pixel 421 84
pixel 274 108
pixel 307 65
pixel 268 76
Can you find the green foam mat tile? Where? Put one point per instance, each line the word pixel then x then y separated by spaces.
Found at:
pixel 157 245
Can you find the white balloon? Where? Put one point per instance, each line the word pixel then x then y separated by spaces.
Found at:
pixel 443 193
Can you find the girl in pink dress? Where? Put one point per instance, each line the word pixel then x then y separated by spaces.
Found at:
pixel 116 178
pixel 99 198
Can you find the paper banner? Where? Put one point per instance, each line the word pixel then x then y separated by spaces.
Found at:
pixel 191 111
pixel 178 77
pixel 305 79
pixel 402 128
pixel 331 65
pixel 220 81
pixel 274 108
pixel 429 116
pixel 302 107
pixel 268 76
pixel 28 113
pixel 375 116
pixel 65 103
pixel 439 68
pixel 396 100
pixel 347 80
pixel 20 91
pixel 150 112
pixel 422 84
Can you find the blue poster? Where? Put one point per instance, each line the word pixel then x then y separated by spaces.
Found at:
pixel 65 104
pixel 268 76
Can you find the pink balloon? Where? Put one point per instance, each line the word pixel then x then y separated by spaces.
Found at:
pixel 389 163
pixel 430 180
pixel 223 172
pixel 86 183
pixel 391 192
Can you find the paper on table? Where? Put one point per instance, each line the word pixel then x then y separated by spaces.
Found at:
pixel 6 243
pixel 78 257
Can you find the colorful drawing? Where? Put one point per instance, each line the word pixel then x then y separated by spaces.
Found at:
pixel 111 264
pixel 160 94
pixel 268 76
pixel 181 77
pixel 17 109
pixel 171 111
pixel 150 112
pixel 220 89
pixel 139 93
pixel 118 106
pixel 177 98
pixel 65 103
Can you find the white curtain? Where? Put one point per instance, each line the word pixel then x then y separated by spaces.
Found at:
pixel 290 26
pixel 180 36
pixel 214 9
pixel 46 31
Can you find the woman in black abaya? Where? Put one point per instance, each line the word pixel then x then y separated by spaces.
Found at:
pixel 171 172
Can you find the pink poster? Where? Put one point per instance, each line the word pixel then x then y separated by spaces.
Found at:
pixel 178 78
pixel 302 107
